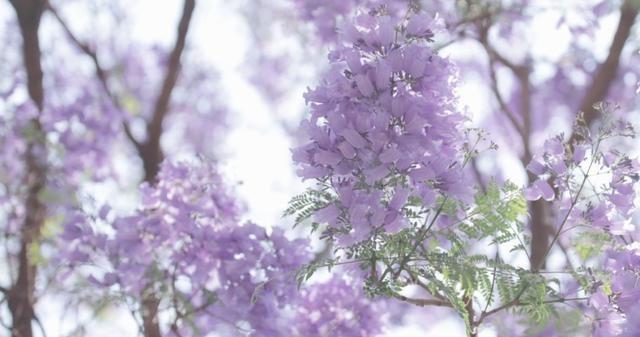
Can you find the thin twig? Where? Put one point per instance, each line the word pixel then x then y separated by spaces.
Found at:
pixel 606 72
pixel 516 302
pixel 422 302
pixel 40 326
pixel 501 101
pixel 493 284
pixel 573 203
pixel 101 73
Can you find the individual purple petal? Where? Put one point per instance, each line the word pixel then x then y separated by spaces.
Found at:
pixel 539 189
pixel 545 190
pixel 389 155
pixel 327 214
pixel 383 75
pixel 376 173
pixel 554 147
pixel 364 85
pixel 536 167
pixel 579 153
pixel 327 157
pixel 420 25
pixel 422 174
pixel 559 167
pixel 310 172
pixel 353 60
pixel 599 300
pixel 394 222
pixel 399 198
pixel 354 138
pixel 347 150
pixel 386 31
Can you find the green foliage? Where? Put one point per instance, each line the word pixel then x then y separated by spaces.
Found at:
pixel 305 272
pixel 497 214
pixel 416 255
pixel 589 244
pixel 534 296
pixel 304 205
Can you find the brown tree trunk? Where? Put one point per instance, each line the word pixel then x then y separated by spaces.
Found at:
pixel 601 82
pixel 20 297
pixel 29 13
pixel 150 324
pixel 539 232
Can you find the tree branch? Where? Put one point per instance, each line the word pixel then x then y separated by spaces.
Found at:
pixel 422 302
pixel 149 312
pixel 20 297
pixel 516 302
pixel 483 38
pixel 152 154
pixel 607 71
pixel 567 256
pixel 150 151
pixel 473 327
pixel 478 175
pixel 501 102
pixel 101 73
pixel 40 325
pixel 29 13
pixel 493 283
pixel 574 202
pixel 538 208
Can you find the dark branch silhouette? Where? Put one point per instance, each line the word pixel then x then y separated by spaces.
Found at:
pixel 29 13
pixel 101 73
pixel 606 72
pixel 20 297
pixel 151 152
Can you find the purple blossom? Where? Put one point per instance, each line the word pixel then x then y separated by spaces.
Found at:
pixel 539 189
pixel 186 240
pixel 337 308
pixel 385 109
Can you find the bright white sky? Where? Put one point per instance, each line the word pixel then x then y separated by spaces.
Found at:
pixel 257 147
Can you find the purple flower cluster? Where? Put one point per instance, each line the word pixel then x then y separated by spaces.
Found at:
pixel 614 307
pixel 593 190
pixel 328 17
pixel 13 121
pixel 76 130
pixel 323 15
pixel 383 127
pixel 337 308
pixel 185 246
pixel 597 186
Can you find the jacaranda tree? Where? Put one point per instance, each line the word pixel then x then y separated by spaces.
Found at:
pixel 409 208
